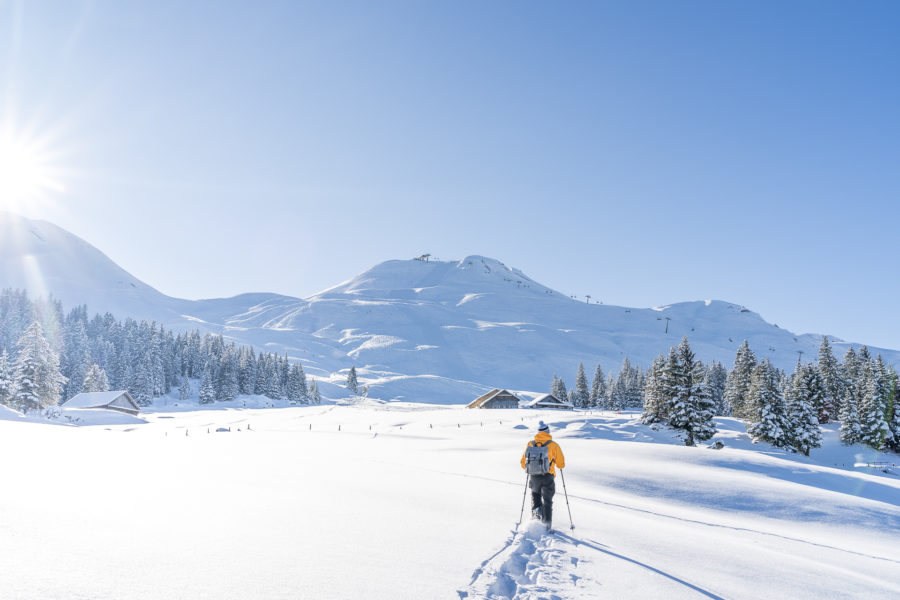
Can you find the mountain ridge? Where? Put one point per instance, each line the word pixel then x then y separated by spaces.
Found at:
pixel 434 331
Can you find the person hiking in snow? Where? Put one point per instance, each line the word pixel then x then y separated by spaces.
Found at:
pixel 541 457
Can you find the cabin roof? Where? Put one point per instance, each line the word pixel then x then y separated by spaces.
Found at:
pixel 98 399
pixel 481 400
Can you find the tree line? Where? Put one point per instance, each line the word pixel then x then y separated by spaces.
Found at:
pixel 48 356
pixel 785 410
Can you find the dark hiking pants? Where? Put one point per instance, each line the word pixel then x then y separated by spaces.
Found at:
pixel 542 489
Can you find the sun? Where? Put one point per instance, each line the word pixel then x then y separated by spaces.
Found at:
pixel 26 172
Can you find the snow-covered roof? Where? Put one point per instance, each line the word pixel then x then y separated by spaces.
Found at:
pixel 98 399
pixel 482 400
pixel 548 400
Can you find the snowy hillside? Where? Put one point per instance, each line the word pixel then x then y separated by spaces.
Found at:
pixel 422 502
pixel 434 331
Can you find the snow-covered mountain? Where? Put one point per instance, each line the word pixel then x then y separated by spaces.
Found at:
pixel 426 331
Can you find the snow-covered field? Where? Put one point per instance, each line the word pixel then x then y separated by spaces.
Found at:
pixel 406 501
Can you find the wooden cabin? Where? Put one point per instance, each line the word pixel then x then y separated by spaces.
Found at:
pixel 496 399
pixel 549 401
pixel 119 400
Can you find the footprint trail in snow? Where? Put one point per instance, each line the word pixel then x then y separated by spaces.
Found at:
pixel 535 565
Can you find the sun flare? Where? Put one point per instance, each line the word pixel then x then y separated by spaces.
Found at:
pixel 26 172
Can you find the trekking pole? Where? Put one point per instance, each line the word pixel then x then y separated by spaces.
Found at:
pixel 524 494
pixel 571 525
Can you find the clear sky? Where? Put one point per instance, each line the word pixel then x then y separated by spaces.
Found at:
pixel 644 153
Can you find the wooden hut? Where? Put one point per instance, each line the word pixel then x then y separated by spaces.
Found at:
pixel 496 399
pixel 120 401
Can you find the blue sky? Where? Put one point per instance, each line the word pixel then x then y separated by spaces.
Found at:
pixel 644 153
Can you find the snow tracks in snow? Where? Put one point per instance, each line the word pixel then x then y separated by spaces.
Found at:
pixel 533 565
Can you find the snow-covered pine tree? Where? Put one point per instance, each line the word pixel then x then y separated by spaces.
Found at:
pixel 893 411
pixel 864 354
pixel 690 406
pixel 803 405
pixel 618 391
pixel 582 395
pixel 560 393
pixel 606 401
pixel 208 383
pixel 246 371
pixel 303 386
pixel 185 391
pixel 598 388
pixel 737 383
pixel 873 403
pixel 314 396
pixel 655 409
pixel 7 390
pixel 297 392
pixel 74 360
pixel 272 379
pixel 849 411
pixel 769 418
pixel 716 375
pixel 830 370
pixel 634 387
pixel 352 381
pixel 141 384
pixel 37 378
pixel 227 388
pixel 95 380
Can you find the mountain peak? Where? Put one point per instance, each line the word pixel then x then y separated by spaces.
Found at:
pixel 404 278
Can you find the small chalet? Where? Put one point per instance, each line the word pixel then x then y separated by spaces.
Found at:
pixel 496 399
pixel 120 401
pixel 549 401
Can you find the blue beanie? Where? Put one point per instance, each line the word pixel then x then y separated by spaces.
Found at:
pixel 543 427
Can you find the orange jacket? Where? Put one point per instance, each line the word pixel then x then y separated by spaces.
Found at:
pixel 554 452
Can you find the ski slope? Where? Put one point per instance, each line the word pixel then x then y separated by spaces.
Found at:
pixel 411 501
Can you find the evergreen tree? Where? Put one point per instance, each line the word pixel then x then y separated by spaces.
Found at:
pixel 769 417
pixel 559 390
pixel 185 391
pixel 716 377
pixel 655 409
pixel 37 378
pixel 303 386
pixel 247 372
pixel 618 391
pixel 272 378
pixel 581 395
pixel 352 382
pixel 874 393
pixel 607 401
pixel 297 392
pixel 95 380
pixel 830 370
pixel 7 391
pixel 737 383
pixel 141 384
pixel 208 384
pixel 804 403
pixel 598 388
pixel 314 396
pixel 893 411
pixel 690 402
pixel 851 431
pixel 227 376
